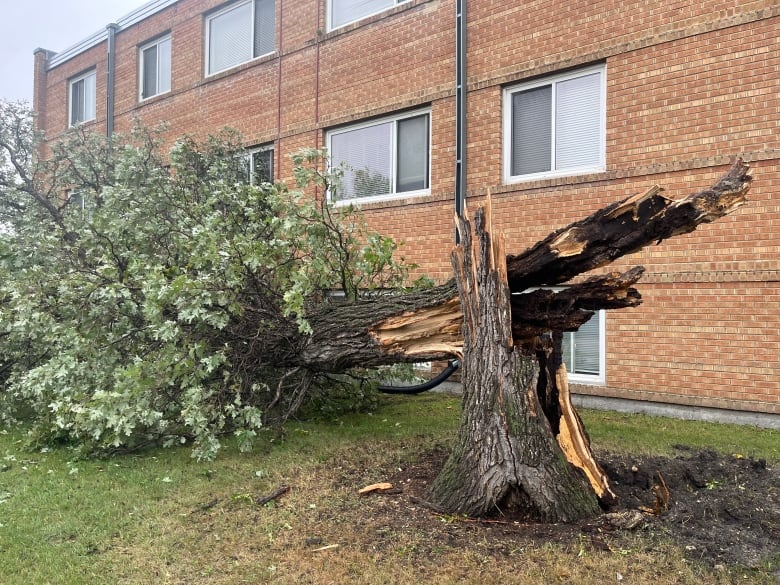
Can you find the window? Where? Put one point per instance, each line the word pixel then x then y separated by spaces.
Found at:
pixel 260 165
pixel 342 12
pixel 79 203
pixel 584 351
pixel 384 158
pixel 239 33
pixel 155 68
pixel 555 126
pixel 82 96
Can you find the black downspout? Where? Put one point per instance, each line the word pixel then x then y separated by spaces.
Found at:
pixel 460 109
pixel 110 89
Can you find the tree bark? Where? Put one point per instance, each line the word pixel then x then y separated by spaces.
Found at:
pixel 506 458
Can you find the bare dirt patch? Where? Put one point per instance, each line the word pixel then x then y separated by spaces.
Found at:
pixel 723 511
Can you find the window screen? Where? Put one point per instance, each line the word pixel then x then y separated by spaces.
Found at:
pixel 150 72
pixel 265 27
pixel 532 131
pixel 413 154
pixel 262 166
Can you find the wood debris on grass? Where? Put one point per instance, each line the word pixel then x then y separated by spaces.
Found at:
pixel 375 487
pixel 275 495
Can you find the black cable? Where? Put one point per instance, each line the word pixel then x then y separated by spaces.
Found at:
pixel 419 388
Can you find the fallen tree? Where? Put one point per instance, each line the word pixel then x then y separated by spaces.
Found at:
pixel 521 444
pixel 149 298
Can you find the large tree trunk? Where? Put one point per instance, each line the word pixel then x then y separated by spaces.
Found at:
pixel 506 457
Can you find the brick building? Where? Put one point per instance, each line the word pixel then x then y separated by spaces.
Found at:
pixel 569 106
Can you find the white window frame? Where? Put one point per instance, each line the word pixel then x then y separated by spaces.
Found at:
pixel 248 154
pixel 553 80
pixel 142 62
pixel 225 10
pixel 599 379
pixel 93 112
pixel 392 4
pixel 393 156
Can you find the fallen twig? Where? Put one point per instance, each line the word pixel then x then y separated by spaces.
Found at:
pixel 263 500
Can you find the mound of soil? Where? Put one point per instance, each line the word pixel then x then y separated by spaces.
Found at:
pixel 721 510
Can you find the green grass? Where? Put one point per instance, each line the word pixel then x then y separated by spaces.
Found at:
pixel 152 517
pixel 59 517
pixel 656 435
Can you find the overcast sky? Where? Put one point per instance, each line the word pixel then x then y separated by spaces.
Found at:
pixel 49 24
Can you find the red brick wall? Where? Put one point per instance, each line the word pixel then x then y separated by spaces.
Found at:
pixel 690 84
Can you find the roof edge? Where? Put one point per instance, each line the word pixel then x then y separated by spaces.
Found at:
pixel 141 13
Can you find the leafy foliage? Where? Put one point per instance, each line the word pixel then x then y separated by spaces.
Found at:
pixel 136 286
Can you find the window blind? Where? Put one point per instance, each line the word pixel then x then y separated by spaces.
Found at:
pixel 412 149
pixel 346 11
pixel 230 38
pixel 265 27
pixel 532 130
pixel 367 154
pixel 578 122
pixel 581 348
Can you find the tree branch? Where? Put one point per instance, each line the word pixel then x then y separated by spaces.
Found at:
pixel 624 227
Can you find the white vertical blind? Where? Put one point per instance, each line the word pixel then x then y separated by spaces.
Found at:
pixel 265 27
pixel 230 38
pixel 578 122
pixel 346 11
pixel 532 130
pixel 412 155
pixel 367 154
pixel 164 66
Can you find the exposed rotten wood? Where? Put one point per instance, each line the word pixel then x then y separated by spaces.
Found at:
pixel 542 310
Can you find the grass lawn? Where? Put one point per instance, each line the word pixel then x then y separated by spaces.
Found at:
pixel 162 517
